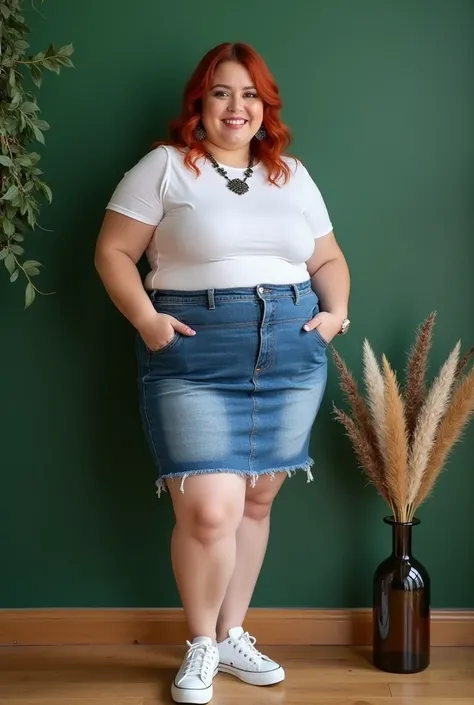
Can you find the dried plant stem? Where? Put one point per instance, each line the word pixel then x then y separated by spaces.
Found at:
pixel 364 451
pixel 360 412
pixel 416 372
pixel 374 383
pixel 428 420
pixel 450 430
pixel 396 441
pixel 463 362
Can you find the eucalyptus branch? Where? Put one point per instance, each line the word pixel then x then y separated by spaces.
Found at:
pixel 31 62
pixel 31 289
pixel 22 191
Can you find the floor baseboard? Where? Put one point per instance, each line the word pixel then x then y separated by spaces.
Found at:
pixel 167 626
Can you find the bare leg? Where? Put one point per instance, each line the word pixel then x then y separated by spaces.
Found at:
pixel 203 545
pixel 252 539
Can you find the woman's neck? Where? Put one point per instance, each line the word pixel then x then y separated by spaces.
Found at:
pixel 238 157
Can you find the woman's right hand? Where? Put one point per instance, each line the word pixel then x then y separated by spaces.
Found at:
pixel 159 330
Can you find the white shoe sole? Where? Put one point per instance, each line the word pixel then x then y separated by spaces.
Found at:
pixel 254 677
pixel 192 697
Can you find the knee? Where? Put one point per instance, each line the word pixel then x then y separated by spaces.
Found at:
pixel 258 506
pixel 210 523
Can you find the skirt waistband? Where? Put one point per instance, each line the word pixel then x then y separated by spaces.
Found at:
pixel 206 296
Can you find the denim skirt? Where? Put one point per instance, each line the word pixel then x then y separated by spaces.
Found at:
pixel 241 395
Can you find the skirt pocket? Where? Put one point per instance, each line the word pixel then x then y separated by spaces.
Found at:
pixel 320 338
pixel 165 348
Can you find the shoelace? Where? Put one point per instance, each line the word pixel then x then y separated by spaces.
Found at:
pixel 249 642
pixel 198 661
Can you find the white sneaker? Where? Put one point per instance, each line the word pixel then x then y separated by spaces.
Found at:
pixel 193 682
pixel 239 657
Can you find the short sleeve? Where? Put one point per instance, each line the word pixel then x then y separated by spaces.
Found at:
pixel 314 207
pixel 139 194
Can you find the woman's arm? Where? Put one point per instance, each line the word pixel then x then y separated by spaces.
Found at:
pixel 330 280
pixel 121 243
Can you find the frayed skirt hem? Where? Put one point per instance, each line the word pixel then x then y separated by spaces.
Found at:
pixel 252 476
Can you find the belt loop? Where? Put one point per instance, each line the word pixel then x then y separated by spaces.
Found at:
pixel 211 304
pixel 296 293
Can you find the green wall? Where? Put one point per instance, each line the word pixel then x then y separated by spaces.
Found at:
pixel 379 97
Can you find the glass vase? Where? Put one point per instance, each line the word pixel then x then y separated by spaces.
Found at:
pixel 401 606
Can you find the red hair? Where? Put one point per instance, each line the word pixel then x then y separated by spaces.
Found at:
pixel 269 150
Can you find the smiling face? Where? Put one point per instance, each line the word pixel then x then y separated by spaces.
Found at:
pixel 232 110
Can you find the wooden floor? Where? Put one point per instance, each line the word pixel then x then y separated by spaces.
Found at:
pixel 141 675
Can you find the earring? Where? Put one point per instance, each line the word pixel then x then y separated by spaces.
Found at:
pixel 261 134
pixel 200 133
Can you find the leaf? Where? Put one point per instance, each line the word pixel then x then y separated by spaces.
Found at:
pixel 17 238
pixel 9 125
pixel 16 100
pixel 42 124
pixel 17 249
pixel 31 216
pixel 38 134
pixel 10 263
pixel 65 61
pixel 8 227
pixel 4 10
pixel 49 64
pixel 11 193
pixel 6 161
pixel 29 107
pixel 31 263
pixel 36 75
pixel 12 78
pixel 31 271
pixel 21 45
pixel 17 200
pixel 66 50
pixel 14 276
pixel 46 190
pixel 3 253
pixel 24 160
pixel 29 294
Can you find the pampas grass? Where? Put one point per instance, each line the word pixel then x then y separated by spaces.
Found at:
pixel 395 441
pixel 416 372
pixel 403 436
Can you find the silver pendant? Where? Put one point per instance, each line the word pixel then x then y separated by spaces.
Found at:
pixel 238 186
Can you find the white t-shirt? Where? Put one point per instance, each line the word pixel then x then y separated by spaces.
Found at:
pixel 208 237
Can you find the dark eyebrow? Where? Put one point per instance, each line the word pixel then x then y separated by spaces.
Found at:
pixel 229 88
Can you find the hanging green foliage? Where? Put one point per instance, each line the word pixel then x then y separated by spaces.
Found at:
pixel 22 189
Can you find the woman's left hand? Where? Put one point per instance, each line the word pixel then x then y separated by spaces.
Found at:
pixel 328 325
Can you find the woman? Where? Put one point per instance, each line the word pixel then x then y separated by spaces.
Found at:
pixel 231 339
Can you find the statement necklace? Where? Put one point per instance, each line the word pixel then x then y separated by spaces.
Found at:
pixel 238 186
